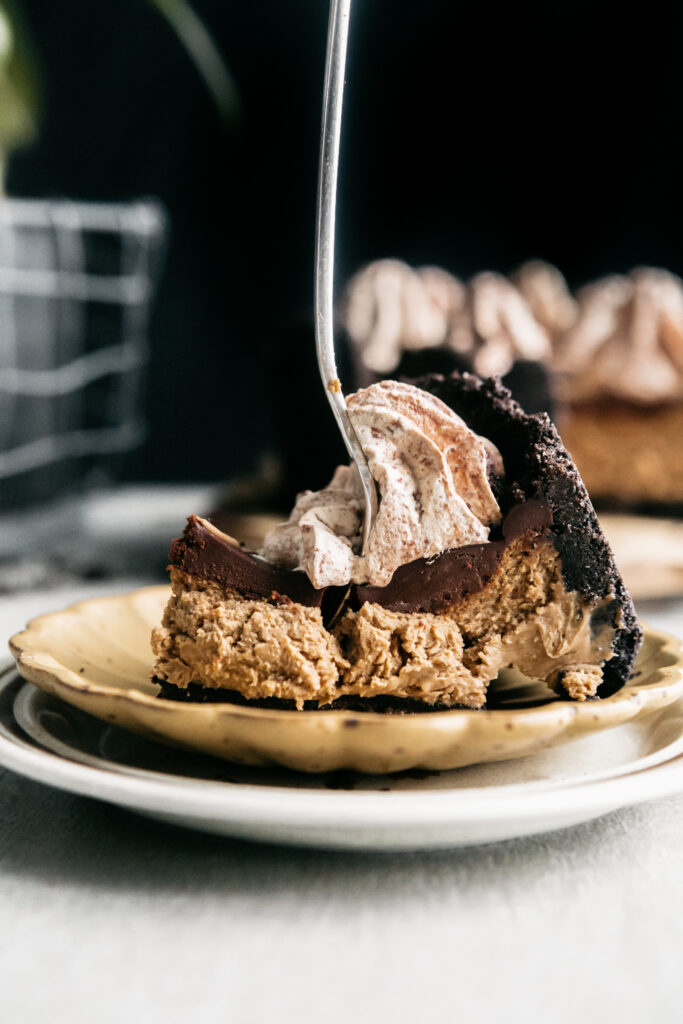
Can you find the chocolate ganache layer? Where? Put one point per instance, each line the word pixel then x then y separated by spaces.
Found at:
pixel 424 585
pixel 435 584
pixel 205 552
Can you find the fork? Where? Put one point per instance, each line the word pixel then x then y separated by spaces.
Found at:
pixel 337 37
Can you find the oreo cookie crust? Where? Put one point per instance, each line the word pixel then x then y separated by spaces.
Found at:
pixel 539 468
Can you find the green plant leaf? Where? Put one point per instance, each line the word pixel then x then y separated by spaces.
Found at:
pixel 205 55
pixel 19 82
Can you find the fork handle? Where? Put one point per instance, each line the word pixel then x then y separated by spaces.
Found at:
pixel 337 37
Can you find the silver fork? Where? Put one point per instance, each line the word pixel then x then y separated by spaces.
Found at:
pixel 337 36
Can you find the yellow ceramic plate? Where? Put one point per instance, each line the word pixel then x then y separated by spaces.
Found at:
pixel 96 655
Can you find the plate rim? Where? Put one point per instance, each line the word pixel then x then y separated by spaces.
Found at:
pixel 318 809
pixel 32 666
pixel 29 692
pixel 111 634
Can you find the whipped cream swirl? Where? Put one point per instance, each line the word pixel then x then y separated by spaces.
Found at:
pixel 627 342
pixel 548 297
pixel 497 327
pixel 432 472
pixel 391 308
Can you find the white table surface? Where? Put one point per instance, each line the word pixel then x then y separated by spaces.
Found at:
pixel 108 917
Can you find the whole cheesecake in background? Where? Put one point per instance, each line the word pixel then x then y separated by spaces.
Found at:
pixel 485 553
pixel 620 390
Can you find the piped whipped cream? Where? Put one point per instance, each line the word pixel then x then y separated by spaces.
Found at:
pixel 548 297
pixel 497 326
pixel 432 474
pixel 391 308
pixel 627 342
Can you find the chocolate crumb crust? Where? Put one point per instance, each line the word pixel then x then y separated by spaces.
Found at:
pixel 195 693
pixel 527 380
pixel 539 468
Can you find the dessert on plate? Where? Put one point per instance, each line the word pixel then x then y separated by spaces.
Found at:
pixel 485 553
pixel 620 389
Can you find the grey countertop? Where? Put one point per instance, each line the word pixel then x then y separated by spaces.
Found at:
pixel 106 916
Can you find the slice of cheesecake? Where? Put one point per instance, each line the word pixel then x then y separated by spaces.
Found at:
pixel 536 589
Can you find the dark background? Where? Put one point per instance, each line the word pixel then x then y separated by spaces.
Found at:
pixel 477 135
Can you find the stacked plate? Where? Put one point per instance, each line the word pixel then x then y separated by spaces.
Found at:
pixel 93 725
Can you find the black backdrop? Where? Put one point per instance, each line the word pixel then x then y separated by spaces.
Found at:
pixel 476 135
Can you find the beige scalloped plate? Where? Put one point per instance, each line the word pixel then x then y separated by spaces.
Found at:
pixel 96 656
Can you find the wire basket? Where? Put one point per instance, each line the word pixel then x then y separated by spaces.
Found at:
pixel 76 283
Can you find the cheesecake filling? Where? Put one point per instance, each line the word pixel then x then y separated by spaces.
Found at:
pixel 626 453
pixel 211 635
pixel 524 617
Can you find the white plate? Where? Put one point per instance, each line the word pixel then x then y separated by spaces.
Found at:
pixel 550 790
